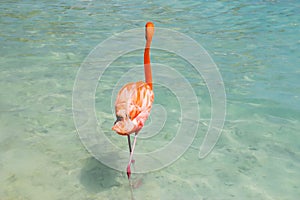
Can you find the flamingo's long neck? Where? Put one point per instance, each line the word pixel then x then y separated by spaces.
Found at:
pixel 147 64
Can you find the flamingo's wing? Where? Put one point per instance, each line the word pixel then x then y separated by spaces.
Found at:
pixel 141 103
pixel 133 105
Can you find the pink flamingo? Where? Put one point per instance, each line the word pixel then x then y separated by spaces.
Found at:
pixel 134 101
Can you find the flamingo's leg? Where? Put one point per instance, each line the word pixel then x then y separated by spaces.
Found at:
pixel 131 155
pixel 129 143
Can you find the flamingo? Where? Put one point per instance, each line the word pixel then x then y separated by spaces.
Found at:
pixel 134 101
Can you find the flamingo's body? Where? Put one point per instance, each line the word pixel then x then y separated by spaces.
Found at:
pixel 134 101
pixel 133 105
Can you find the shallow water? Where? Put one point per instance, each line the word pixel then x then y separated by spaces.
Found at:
pixel 255 45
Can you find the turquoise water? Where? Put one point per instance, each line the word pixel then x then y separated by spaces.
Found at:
pixel 255 45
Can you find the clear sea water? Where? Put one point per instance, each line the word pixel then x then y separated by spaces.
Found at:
pixel 255 45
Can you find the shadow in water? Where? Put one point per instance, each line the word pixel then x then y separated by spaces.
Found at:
pixel 97 177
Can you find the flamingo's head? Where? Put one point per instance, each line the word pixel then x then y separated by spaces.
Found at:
pixel 123 125
pixel 149 31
